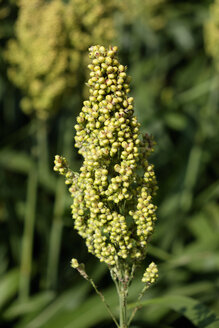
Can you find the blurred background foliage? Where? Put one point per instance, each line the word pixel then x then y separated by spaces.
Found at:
pixel 172 52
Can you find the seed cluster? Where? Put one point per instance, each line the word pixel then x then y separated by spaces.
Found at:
pixel 112 195
pixel 74 263
pixel 151 274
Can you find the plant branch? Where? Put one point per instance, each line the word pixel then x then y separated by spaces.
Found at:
pixel 138 306
pixel 85 276
pixel 104 301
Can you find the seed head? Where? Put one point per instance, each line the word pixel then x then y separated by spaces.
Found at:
pixel 112 195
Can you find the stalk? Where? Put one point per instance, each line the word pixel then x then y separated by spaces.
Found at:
pixel 123 306
pixel 58 212
pixel 81 269
pixel 27 240
pixel 138 306
pixel 122 281
pixel 56 235
pixel 104 302
pixel 29 220
pixel 42 145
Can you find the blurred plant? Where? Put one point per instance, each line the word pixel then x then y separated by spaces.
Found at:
pixel 112 196
pixel 5 11
pixel 47 54
pixel 38 56
pixel 86 22
pixel 148 11
pixel 212 33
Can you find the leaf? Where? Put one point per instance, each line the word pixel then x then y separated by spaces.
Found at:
pixel 197 257
pixel 196 288
pixel 176 121
pixel 68 300
pixel 201 228
pixel 15 161
pixel 193 310
pixel 71 309
pixel 21 162
pixel 209 193
pixel 8 286
pixel 34 304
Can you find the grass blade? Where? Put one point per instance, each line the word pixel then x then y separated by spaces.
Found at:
pixel 8 286
pixel 193 310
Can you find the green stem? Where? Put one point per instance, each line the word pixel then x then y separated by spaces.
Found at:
pixel 42 147
pixel 122 279
pixel 27 240
pixel 137 307
pixel 83 273
pixel 59 207
pixel 123 305
pixel 104 302
pixel 56 235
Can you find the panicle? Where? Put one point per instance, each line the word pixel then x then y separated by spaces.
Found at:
pixel 112 195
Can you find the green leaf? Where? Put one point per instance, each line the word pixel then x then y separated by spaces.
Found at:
pixel 15 161
pixel 196 288
pixel 193 310
pixel 72 310
pixel 69 300
pixel 35 303
pixel 203 231
pixel 209 193
pixel 176 121
pixel 8 286
pixel 21 162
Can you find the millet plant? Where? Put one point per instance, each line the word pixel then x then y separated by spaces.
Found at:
pixel 112 195
pixel 48 51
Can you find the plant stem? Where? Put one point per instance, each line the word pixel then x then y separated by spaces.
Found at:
pixel 104 302
pixel 27 240
pixel 56 235
pixel 123 305
pixel 42 145
pixel 122 311
pixel 137 307
pixel 122 279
